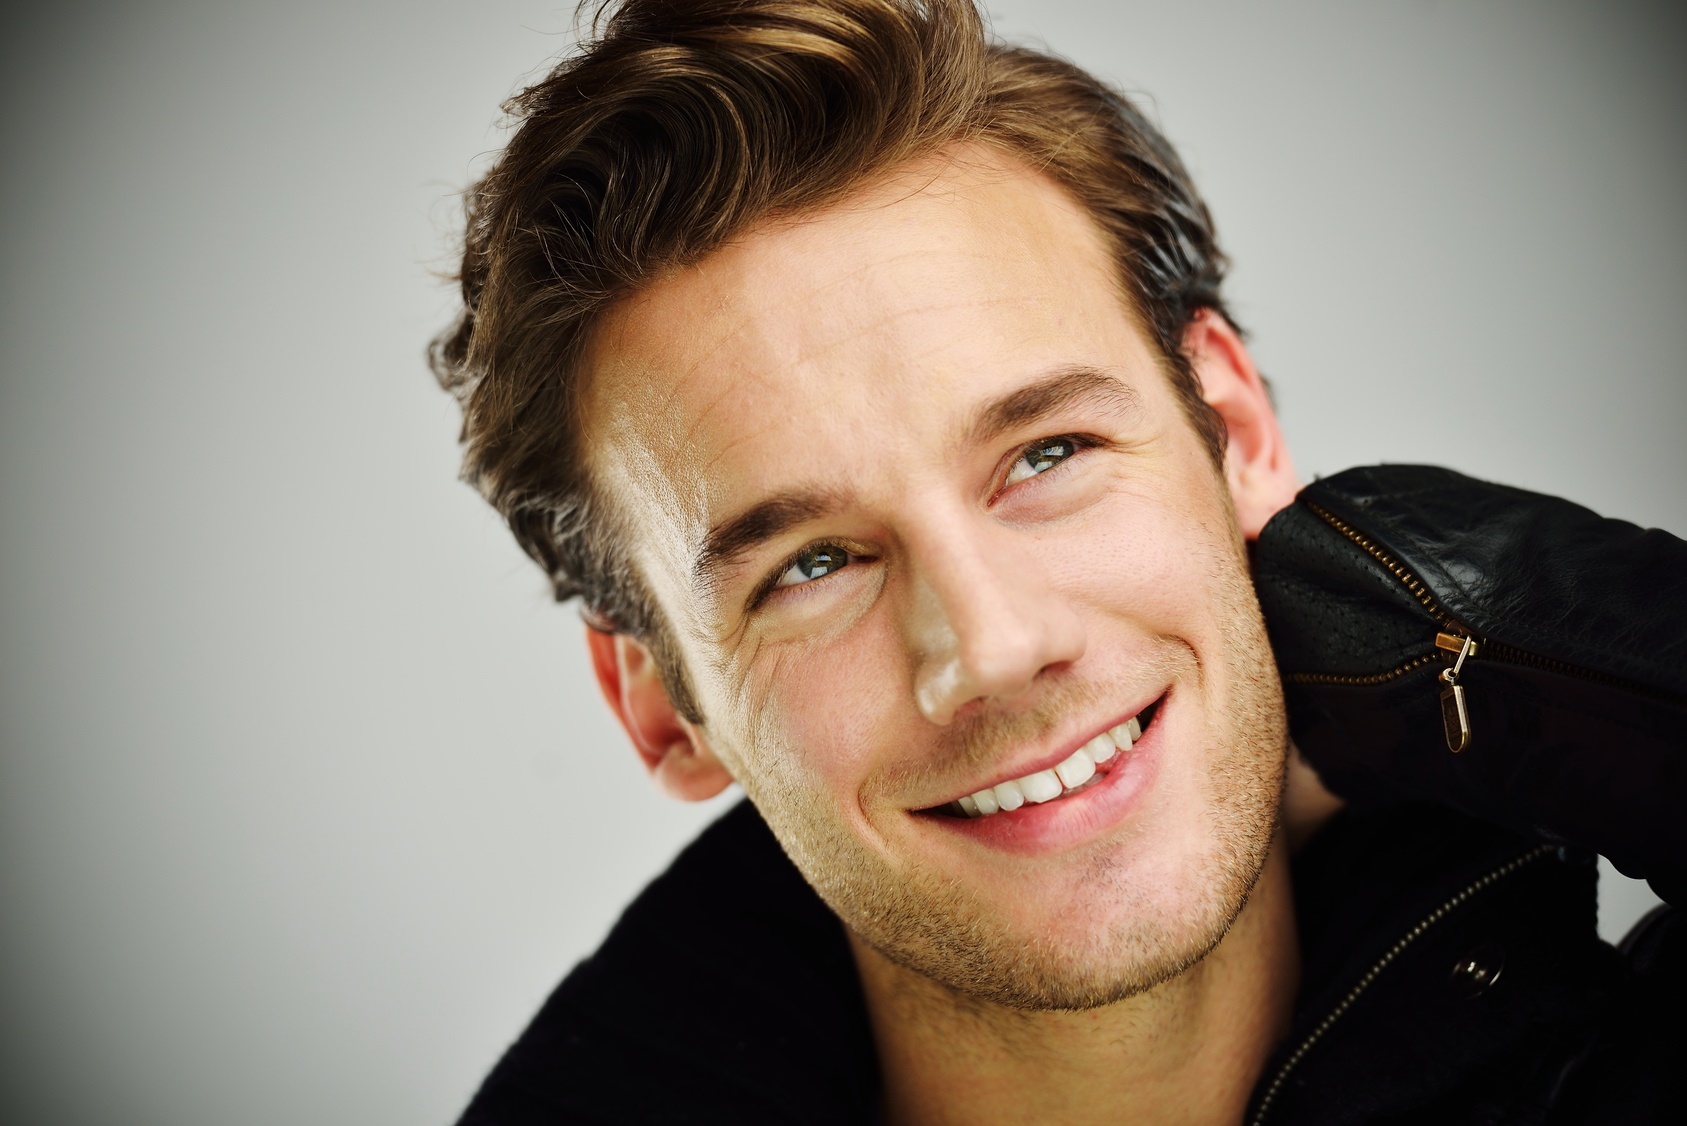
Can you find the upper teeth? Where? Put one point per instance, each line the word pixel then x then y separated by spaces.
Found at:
pixel 1046 785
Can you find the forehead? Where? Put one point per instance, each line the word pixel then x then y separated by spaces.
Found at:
pixel 808 349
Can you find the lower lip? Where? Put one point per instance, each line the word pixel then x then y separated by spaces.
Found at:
pixel 1071 820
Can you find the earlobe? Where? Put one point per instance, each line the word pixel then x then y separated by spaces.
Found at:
pixel 1257 468
pixel 675 751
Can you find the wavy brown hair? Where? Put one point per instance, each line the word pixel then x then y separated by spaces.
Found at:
pixel 675 125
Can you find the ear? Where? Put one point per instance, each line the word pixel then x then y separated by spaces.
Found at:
pixel 1256 460
pixel 676 752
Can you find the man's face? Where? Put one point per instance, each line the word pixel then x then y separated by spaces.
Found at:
pixel 913 490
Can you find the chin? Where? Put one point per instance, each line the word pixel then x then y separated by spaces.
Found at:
pixel 1119 928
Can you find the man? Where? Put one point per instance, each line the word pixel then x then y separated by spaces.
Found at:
pixel 873 387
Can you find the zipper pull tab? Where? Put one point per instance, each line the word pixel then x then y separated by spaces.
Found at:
pixel 1455 720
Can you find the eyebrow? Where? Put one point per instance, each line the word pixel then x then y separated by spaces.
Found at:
pixel 1063 387
pixel 771 518
pixel 763 521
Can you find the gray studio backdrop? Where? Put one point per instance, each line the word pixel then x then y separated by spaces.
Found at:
pixel 305 797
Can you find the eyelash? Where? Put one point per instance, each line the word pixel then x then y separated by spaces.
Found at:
pixel 769 586
pixel 1078 443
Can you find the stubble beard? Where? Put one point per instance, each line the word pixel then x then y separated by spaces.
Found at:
pixel 932 924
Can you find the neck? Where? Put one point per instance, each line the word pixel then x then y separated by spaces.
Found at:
pixel 1187 1051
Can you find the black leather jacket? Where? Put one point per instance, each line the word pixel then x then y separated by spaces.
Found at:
pixel 1452 974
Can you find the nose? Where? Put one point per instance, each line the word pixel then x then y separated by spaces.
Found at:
pixel 984 619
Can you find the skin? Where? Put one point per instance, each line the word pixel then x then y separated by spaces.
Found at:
pixel 888 362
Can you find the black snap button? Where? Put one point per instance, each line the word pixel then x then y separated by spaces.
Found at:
pixel 1476 972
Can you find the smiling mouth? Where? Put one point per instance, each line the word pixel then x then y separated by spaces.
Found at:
pixel 1082 769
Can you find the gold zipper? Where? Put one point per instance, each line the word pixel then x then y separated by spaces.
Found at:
pixel 1395 567
pixel 1382 963
pixel 1360 681
pixel 1456 642
pixel 1455 718
pixel 1453 638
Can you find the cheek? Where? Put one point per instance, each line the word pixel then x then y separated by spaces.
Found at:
pixel 819 712
pixel 1159 560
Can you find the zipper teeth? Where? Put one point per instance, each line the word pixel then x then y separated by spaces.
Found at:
pixel 1487 649
pixel 1395 567
pixel 1383 963
pixel 1511 655
pixel 1356 679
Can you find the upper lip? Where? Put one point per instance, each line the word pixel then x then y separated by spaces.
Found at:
pixel 1048 760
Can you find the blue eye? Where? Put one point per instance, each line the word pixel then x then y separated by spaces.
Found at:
pixel 811 563
pixel 1040 457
